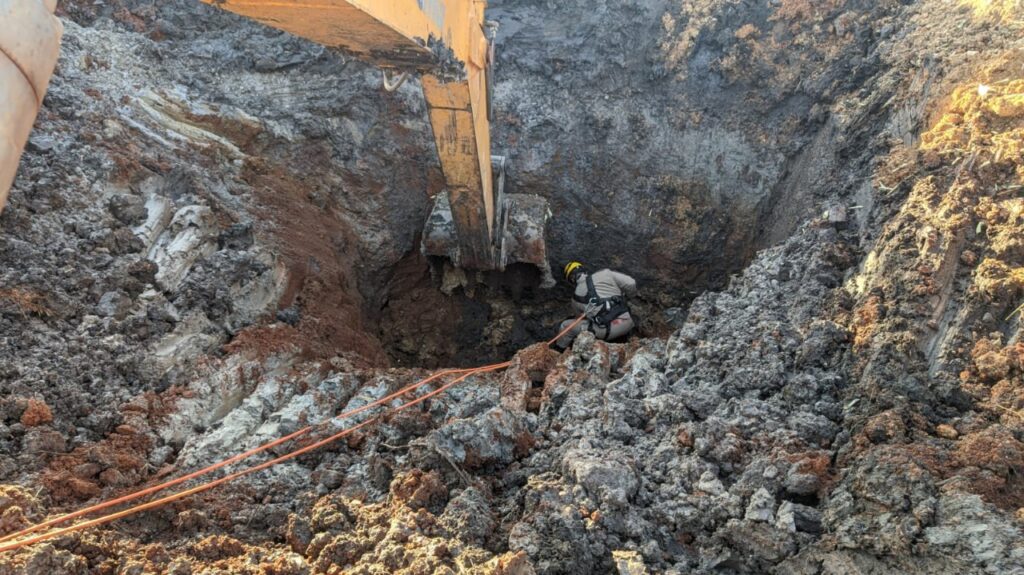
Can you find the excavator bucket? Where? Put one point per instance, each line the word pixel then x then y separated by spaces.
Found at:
pixel 519 235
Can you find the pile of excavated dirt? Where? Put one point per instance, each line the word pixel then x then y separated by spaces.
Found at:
pixel 213 242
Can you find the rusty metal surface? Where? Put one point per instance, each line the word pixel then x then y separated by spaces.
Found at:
pixel 523 236
pixel 521 233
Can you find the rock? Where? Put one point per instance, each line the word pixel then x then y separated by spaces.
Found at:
pixel 675 317
pixel 946 431
pixel 629 563
pixel 159 455
pixel 510 564
pixel 237 237
pixel 610 479
pixel 761 541
pixel 179 567
pixel 113 304
pixel 128 209
pixel 298 533
pixel 468 516
pixel 492 439
pixel 46 560
pixel 802 483
pixel 40 142
pixel 144 271
pixel 289 315
pixel 42 440
pixel 522 383
pixel 836 216
pixel 331 478
pixel 793 517
pixel 187 238
pixel 710 484
pixel 761 507
pixel 167 28
pixel 844 23
pixel 967 529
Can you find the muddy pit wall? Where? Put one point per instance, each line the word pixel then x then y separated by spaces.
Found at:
pixel 673 142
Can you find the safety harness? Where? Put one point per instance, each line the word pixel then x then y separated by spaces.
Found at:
pixel 601 310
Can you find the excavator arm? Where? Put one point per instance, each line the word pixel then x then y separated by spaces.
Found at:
pixel 446 41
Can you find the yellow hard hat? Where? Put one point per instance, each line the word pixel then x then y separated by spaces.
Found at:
pixel 571 267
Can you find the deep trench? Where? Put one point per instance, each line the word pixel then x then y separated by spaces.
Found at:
pixel 674 178
pixel 423 323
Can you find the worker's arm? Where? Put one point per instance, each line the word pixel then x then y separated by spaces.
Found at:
pixel 29 46
pixel 625 283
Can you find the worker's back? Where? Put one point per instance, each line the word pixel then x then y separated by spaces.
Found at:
pixel 602 297
pixel 607 284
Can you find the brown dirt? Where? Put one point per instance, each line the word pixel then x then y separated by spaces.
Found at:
pixel 116 462
pixel 338 535
pixel 965 212
pixel 25 302
pixel 866 317
pixel 37 413
pixel 992 461
pixel 319 254
pixel 263 341
pixel 415 304
pixel 18 509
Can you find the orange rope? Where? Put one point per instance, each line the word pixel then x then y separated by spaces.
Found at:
pixel 249 470
pixel 10 546
pixel 225 463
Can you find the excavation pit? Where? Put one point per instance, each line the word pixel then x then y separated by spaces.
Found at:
pixel 215 240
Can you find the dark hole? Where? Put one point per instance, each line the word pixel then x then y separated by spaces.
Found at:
pixel 810 500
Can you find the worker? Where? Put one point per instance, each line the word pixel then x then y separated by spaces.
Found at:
pixel 602 297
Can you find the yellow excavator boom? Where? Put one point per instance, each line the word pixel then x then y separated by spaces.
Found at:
pixel 446 41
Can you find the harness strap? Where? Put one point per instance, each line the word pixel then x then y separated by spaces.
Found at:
pixel 591 293
pixel 605 310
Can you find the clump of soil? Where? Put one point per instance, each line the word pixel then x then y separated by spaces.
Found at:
pixel 36 413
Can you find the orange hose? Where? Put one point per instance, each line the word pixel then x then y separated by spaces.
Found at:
pixel 10 546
